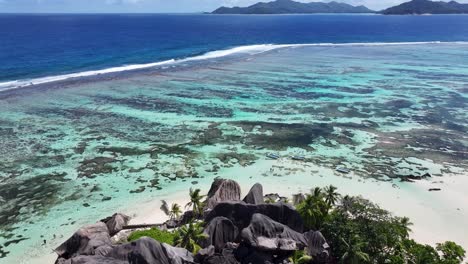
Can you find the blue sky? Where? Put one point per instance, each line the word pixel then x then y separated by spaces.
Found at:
pixel 150 6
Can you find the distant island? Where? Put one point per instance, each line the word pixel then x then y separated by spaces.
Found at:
pixel 292 7
pixel 419 7
pixel 414 7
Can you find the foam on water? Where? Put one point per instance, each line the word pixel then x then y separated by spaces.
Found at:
pixel 241 50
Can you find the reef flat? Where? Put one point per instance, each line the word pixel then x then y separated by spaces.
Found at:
pixel 81 150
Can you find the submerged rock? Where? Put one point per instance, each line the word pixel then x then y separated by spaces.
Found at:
pixel 267 235
pixel 255 195
pixel 222 190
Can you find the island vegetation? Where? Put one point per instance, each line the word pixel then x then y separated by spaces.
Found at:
pixel 293 7
pixel 414 7
pixel 322 226
pixel 419 7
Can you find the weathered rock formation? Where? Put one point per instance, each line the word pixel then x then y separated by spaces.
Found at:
pixel 222 190
pixel 116 222
pixel 237 232
pixel 219 232
pixel 267 235
pixel 241 214
pixel 255 195
pixel 85 241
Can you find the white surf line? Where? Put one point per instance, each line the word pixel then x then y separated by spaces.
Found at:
pixel 248 49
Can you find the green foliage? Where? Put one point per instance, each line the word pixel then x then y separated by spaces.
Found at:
pixel 189 236
pixel 416 253
pixel 196 201
pixel 174 211
pixel 300 257
pixel 155 233
pixel 331 195
pixel 359 231
pixel 315 208
pixel 358 221
pixel 451 252
pixel 354 251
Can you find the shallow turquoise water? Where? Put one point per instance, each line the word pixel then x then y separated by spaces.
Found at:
pixel 81 150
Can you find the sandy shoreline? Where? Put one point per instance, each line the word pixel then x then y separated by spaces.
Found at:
pixel 437 216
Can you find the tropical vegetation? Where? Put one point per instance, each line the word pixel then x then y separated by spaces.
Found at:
pixel 155 233
pixel 196 202
pixel 357 231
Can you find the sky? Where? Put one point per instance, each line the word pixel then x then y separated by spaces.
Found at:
pixel 150 6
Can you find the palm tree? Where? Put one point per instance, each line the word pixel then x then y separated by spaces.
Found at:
pixel 173 212
pixel 405 224
pixel 196 201
pixel 313 210
pixel 331 196
pixel 188 236
pixel 354 253
pixel 317 193
pixel 346 202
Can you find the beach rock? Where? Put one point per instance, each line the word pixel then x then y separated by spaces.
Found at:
pixel 241 214
pixel 149 251
pixel 271 197
pixel 85 241
pixel 90 260
pixel 255 195
pixel 170 224
pixel 225 257
pixel 220 231
pixel 116 222
pixel 317 245
pixel 222 190
pixel 435 189
pixel 267 235
pixel 186 217
pixel 247 255
pixel 298 198
pixel 204 254
pixel 412 178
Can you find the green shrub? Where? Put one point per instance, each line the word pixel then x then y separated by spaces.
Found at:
pixel 155 233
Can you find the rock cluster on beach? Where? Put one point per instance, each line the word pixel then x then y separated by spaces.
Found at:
pixel 236 231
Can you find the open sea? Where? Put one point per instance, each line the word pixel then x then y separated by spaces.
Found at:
pixel 101 113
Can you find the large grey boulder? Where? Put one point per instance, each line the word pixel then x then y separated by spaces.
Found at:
pixel 264 234
pixel 222 190
pixel 149 251
pixel 220 231
pixel 116 222
pixel 90 260
pixel 317 245
pixel 241 214
pixel 298 198
pixel 255 195
pixel 85 241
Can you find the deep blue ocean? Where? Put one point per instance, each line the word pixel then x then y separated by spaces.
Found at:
pixel 34 46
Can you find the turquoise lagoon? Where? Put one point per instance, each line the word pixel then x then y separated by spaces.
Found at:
pixel 76 151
